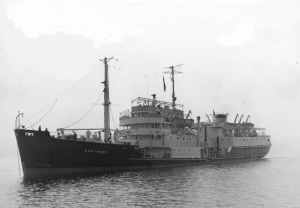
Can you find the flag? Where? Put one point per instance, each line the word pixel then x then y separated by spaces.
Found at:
pixel 164 84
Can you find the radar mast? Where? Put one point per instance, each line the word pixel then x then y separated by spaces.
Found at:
pixel 172 71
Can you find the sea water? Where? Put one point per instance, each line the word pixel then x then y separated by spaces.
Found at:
pixel 271 182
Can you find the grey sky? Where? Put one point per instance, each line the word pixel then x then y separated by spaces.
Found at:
pixel 240 57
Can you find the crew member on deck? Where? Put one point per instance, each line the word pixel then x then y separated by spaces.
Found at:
pixel 88 134
pixel 46 130
pixel 62 132
pixel 99 138
pixel 74 135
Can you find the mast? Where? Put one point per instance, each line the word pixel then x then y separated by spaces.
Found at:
pixel 172 72
pixel 106 101
pixel 173 87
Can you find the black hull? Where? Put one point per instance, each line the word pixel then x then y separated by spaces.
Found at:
pixel 43 156
pixel 145 164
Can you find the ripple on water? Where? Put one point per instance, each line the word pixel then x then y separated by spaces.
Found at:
pixel 266 183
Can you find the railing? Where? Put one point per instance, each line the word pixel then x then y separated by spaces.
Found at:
pixel 155 155
pixel 143 108
pixel 125 113
pixel 148 115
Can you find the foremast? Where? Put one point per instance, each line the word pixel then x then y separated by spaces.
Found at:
pixel 107 137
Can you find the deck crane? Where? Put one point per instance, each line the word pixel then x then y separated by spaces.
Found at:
pixel 188 114
pixel 237 115
pixel 208 118
pixel 247 118
pixel 241 118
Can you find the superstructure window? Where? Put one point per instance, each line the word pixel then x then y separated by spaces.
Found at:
pixel 156 125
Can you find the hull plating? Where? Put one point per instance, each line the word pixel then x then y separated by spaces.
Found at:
pixel 44 156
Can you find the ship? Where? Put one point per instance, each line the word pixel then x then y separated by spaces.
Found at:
pixel 151 134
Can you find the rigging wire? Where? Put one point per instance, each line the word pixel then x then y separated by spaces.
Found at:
pixel 183 94
pixel 133 73
pixel 147 85
pixel 112 116
pixel 37 113
pixel 63 94
pixel 94 105
pixel 44 115
pixel 75 85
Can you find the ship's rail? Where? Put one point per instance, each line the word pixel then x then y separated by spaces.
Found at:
pixel 148 102
pixel 127 115
pixel 144 108
pixel 83 134
pixel 244 134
